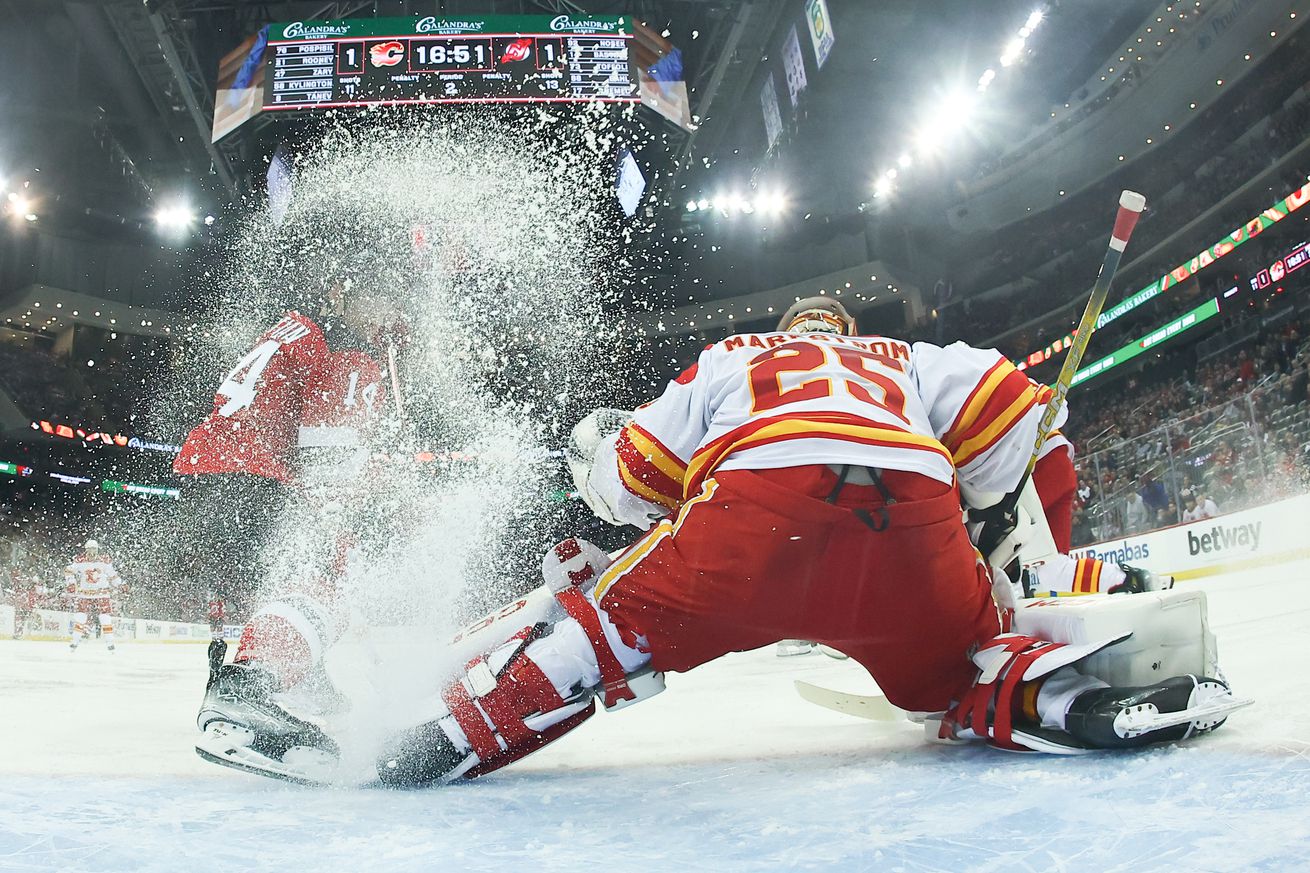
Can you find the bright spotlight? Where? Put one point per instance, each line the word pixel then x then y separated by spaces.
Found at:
pixel 1012 52
pixel 883 186
pixel 905 161
pixel 772 202
pixel 19 205
pixel 986 79
pixel 702 204
pixel 174 217
pixel 209 221
pixel 691 206
pixel 30 216
pixel 721 203
pixel 1034 19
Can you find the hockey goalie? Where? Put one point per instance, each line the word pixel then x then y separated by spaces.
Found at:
pixel 802 484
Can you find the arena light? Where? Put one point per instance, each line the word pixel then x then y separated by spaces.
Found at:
pixel 174 217
pixel 691 206
pixel 771 202
pixel 1012 52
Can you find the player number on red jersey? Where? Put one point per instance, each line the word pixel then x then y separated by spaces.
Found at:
pixel 241 384
pixel 766 370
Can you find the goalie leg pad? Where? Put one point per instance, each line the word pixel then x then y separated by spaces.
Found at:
pixel 530 690
pixel 1170 633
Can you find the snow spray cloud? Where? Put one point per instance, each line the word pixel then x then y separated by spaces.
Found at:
pixel 496 243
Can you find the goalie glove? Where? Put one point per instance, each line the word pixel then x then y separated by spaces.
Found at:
pixel 590 439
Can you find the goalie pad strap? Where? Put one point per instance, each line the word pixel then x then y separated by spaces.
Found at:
pixel 1003 723
pixel 521 690
pixel 470 720
pixel 613 678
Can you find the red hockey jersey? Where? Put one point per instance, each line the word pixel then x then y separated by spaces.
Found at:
pixel 290 391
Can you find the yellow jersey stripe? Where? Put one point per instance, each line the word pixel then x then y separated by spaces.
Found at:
pixel 663 461
pixel 974 407
pixel 705 462
pixel 644 491
pixel 1001 423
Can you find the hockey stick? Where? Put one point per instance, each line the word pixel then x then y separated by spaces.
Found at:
pixel 1131 205
pixel 874 707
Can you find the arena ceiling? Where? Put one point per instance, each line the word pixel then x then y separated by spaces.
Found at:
pixel 108 102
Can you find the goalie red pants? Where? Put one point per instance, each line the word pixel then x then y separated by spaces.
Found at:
pixel 760 556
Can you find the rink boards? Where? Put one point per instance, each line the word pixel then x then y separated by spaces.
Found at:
pixel 1260 537
pixel 55 625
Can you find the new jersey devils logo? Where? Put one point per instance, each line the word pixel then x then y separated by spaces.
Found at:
pixel 386 54
pixel 518 50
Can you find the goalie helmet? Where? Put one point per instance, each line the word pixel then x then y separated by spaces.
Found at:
pixel 92 547
pixel 817 315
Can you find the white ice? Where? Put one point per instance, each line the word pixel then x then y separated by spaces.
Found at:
pixel 727 770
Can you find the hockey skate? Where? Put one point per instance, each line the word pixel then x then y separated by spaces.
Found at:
pixel 244 728
pixel 1175 709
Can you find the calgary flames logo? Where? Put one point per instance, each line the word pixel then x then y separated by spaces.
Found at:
pixel 386 54
pixel 518 50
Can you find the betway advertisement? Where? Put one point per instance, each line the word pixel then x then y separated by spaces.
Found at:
pixel 1256 537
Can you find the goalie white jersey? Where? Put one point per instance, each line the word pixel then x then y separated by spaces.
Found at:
pixel 770 400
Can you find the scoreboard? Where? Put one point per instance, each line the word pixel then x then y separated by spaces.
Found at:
pixel 501 58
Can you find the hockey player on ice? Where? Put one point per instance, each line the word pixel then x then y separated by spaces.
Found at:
pixel 1048 568
pixel 302 405
pixel 91 583
pixel 793 486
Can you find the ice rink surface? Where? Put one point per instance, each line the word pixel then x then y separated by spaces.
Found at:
pixel 728 770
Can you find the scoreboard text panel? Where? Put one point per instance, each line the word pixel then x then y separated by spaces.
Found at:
pixel 505 58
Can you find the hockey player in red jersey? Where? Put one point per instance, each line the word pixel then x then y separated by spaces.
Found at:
pixel 91 583
pixel 304 402
pixel 215 614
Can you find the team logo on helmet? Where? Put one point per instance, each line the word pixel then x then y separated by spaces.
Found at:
pixel 386 54
pixel 518 50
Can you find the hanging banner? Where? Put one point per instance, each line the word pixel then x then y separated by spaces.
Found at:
pixel 772 117
pixel 794 64
pixel 816 16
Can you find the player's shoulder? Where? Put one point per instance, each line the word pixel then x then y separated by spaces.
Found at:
pixel 293 326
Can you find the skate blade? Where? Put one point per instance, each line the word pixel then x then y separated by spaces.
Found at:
pixel 1204 716
pixel 229 745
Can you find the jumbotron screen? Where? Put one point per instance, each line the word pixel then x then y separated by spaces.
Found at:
pixel 496 59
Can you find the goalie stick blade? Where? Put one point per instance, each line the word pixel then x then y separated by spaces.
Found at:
pixel 873 707
pixel 1140 720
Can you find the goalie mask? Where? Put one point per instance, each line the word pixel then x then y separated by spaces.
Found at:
pixel 817 315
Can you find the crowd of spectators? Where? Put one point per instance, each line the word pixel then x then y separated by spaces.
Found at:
pixel 1180 443
pixel 103 390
